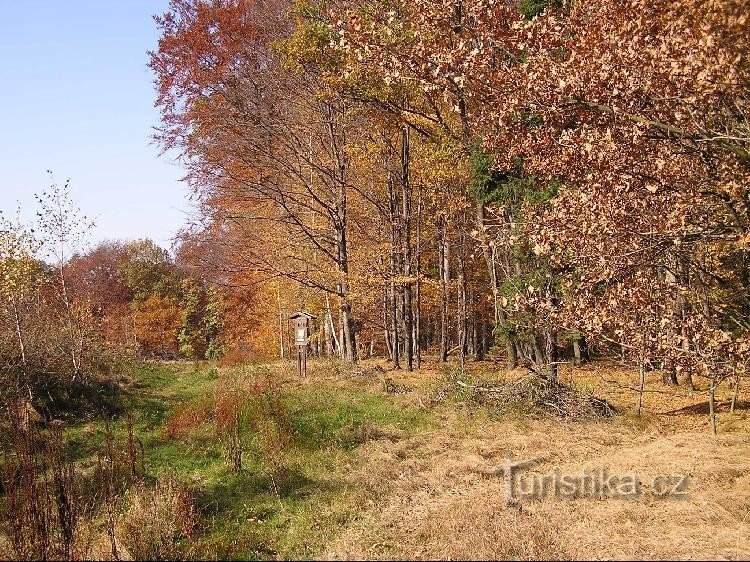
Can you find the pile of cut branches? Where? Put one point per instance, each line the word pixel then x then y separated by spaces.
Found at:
pixel 534 393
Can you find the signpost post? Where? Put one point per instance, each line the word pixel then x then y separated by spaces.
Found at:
pixel 301 338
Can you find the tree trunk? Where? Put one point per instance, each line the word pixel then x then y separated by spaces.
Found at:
pixel 418 308
pixel 479 328
pixel 512 354
pixel 319 343
pixel 19 332
pixel 444 267
pixel 551 352
pixel 332 342
pixel 340 224
pixel 75 357
pixel 407 252
pixel 584 349
pixel 538 353
pixel 282 348
pixel 386 322
pixel 736 392
pixel 342 336
pixel 577 358
pixel 417 338
pixel 462 302
pixel 349 335
pixel 408 329
pixel 641 384
pixel 673 275
pixel 393 301
pixel 395 351
pixel 348 340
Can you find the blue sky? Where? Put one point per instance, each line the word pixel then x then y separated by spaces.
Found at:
pixel 77 98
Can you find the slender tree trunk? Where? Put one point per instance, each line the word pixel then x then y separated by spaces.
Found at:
pixel 408 329
pixel 21 380
pixel 444 266
pixel 417 327
pixel 641 384
pixel 19 332
pixel 462 301
pixel 418 308
pixel 471 322
pixel 71 321
pixel 340 224
pixel 407 251
pixel 736 392
pixel 333 344
pixel 349 335
pixel 511 351
pixel 513 347
pixel 321 339
pixel 348 341
pixel 282 348
pixel 393 301
pixel 551 352
pixel 675 309
pixel 342 336
pixel 386 322
pixel 479 326
pixel 396 351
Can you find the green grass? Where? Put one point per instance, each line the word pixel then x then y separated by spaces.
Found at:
pixel 287 506
pixel 332 415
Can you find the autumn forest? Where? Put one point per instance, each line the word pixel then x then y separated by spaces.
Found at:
pixel 521 228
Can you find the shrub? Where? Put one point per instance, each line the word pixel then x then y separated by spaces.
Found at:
pixel 44 504
pixel 158 521
pixel 252 400
pixel 191 416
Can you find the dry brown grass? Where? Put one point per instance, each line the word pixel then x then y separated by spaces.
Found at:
pixel 155 522
pixel 430 499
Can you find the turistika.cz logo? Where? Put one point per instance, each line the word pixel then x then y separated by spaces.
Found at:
pixel 596 483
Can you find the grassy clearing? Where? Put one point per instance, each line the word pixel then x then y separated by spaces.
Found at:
pixel 377 464
pixel 293 493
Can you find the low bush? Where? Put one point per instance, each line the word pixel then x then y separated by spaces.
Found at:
pixel 158 522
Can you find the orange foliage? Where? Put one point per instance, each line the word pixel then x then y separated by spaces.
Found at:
pixel 156 322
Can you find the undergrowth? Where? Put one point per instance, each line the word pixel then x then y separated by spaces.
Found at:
pixel 231 463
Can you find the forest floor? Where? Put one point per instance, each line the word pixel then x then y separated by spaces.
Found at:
pixel 383 464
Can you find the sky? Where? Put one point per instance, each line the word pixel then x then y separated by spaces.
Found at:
pixel 77 98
